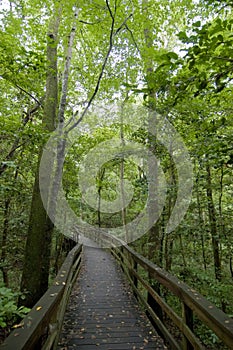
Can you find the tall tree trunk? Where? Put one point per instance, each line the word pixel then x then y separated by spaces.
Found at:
pixel 182 251
pixel 213 225
pixel 55 180
pixel 201 224
pixel 171 201
pixel 100 186
pixel 154 243
pixel 35 275
pixel 5 235
pixel 122 173
pixel 4 242
pixel 153 234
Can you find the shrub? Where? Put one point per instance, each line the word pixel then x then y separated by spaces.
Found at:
pixel 9 311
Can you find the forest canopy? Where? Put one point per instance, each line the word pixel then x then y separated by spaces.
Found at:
pixel 64 67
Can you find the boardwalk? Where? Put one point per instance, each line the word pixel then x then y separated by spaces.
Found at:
pixel 103 312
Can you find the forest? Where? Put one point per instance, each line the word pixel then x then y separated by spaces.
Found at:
pixel 116 115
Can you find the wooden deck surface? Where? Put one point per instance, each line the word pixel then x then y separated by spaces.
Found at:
pixel 102 312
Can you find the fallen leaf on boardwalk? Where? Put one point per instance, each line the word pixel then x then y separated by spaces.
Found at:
pixel 18 325
pixel 38 308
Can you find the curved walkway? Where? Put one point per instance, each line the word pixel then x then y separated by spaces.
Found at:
pixel 103 312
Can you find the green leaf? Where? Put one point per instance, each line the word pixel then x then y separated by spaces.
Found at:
pixel 172 55
pixel 182 36
pixel 197 24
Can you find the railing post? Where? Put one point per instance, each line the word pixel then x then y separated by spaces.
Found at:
pixel 132 266
pixel 121 257
pixel 151 301
pixel 135 280
pixel 187 315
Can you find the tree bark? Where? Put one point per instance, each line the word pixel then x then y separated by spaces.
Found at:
pixel 100 186
pixel 153 234
pixel 4 242
pixel 35 275
pixel 201 223
pixel 122 173
pixel 213 225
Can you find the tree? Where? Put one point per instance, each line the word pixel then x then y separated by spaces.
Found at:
pixel 37 255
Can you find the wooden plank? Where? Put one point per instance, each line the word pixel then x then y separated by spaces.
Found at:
pixel 103 311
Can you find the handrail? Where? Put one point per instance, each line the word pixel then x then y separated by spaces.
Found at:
pixel 193 303
pixel 41 327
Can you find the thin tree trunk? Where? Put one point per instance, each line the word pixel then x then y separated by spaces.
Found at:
pixel 182 251
pixel 100 186
pixel 221 219
pixel 153 235
pixel 154 242
pixel 4 242
pixel 201 224
pixel 213 225
pixel 171 201
pixel 231 267
pixel 122 172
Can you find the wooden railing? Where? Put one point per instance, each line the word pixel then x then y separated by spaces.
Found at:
pixel 41 327
pixel 142 274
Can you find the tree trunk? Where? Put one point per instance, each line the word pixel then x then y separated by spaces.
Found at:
pixel 201 223
pixel 4 242
pixel 128 237
pixel 213 225
pixel 171 201
pixel 35 275
pixel 55 180
pixel 153 234
pixel 100 186
pixel 154 242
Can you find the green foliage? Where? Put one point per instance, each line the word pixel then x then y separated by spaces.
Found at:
pixel 189 80
pixel 9 311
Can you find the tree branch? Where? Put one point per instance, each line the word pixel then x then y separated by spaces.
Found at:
pixel 90 23
pixel 16 145
pixel 123 24
pixel 101 72
pixel 28 93
pixel 110 11
pixel 133 39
